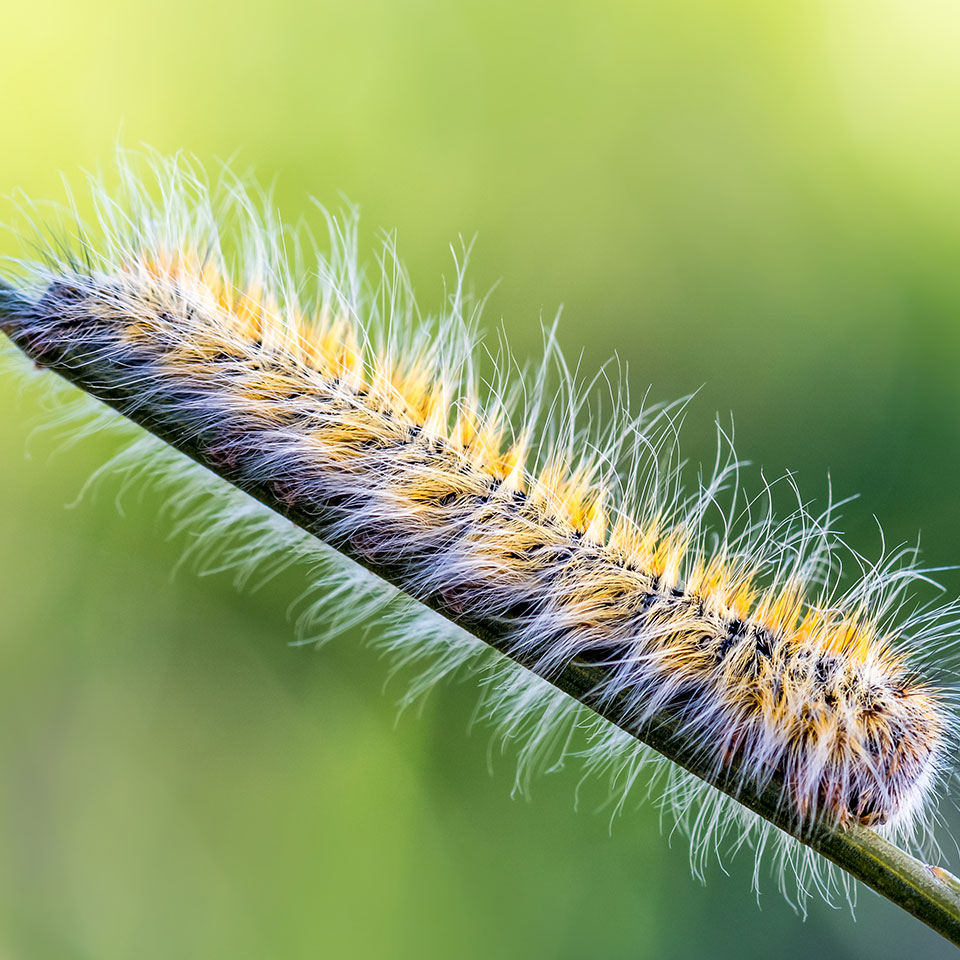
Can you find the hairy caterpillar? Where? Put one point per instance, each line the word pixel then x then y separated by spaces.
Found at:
pixel 370 427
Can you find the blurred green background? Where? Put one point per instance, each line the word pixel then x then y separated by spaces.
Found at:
pixel 760 198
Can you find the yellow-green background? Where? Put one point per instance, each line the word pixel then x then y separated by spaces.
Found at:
pixel 762 198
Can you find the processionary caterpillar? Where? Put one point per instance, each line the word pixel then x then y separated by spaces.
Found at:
pixel 564 545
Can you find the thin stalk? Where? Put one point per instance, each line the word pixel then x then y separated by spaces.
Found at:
pixel 931 896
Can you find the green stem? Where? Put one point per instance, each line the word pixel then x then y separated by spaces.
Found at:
pixel 931 896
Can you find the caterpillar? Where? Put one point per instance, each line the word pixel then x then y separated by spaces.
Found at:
pixel 561 534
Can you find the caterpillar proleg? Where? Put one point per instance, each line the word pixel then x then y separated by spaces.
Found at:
pixel 695 621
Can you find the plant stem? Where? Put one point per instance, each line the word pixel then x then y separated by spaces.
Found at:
pixel 931 896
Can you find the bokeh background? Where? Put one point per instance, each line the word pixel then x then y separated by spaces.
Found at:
pixel 759 199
